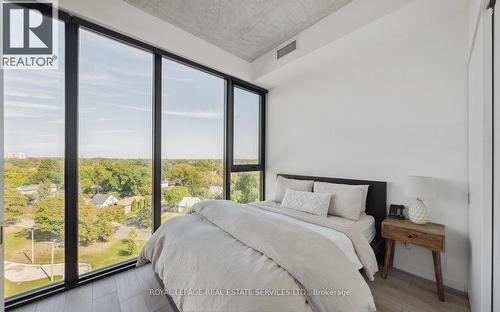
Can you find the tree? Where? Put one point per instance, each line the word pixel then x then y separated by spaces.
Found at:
pixel 131 244
pixel 49 216
pixel 16 176
pixel 144 212
pixel 133 209
pixel 44 188
pixel 92 225
pixel 50 169
pixel 122 176
pixel 174 195
pixel 189 176
pixel 113 214
pixel 245 188
pixel 16 204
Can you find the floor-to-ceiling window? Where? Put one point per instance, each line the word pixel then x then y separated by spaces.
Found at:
pixel 247 163
pixel 34 176
pixel 192 137
pixel 121 137
pixel 115 152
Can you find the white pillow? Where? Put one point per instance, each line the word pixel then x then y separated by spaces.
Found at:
pixel 297 185
pixel 365 195
pixel 314 203
pixel 347 201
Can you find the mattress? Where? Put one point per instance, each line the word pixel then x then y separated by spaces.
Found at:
pixel 366 225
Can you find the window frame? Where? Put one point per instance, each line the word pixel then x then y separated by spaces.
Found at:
pixel 72 25
pixel 229 158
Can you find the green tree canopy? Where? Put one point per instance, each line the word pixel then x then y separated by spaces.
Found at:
pixel 144 212
pixel 174 195
pixel 49 216
pixel 190 177
pixel 44 188
pixel 17 176
pixel 50 169
pixel 92 225
pixel 245 187
pixel 16 204
pixel 119 176
pixel 131 244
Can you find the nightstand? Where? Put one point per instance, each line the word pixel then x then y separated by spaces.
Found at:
pixel 429 235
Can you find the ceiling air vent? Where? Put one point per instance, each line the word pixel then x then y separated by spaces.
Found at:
pixel 287 49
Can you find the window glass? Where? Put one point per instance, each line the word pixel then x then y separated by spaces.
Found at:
pixel 115 151
pixel 245 186
pixel 192 137
pixel 34 176
pixel 246 127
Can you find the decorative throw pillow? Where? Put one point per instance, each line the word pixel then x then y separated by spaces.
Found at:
pixel 314 203
pixel 297 185
pixel 347 201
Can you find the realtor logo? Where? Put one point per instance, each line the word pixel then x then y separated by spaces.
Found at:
pixel 29 35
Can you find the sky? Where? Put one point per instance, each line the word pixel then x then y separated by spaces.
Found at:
pixel 115 107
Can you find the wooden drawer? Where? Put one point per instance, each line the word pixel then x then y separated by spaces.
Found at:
pixel 431 241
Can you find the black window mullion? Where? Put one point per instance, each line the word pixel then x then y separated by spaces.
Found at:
pixel 157 84
pixel 246 168
pixel 262 145
pixel 71 155
pixel 228 142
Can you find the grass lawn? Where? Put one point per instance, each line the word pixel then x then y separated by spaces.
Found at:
pixel 98 255
pixel 18 247
pixel 14 288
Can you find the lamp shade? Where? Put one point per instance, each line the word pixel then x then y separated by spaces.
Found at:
pixel 419 187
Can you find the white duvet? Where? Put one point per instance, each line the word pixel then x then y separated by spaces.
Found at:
pixel 223 248
pixel 339 238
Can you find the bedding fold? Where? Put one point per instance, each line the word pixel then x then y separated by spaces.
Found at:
pixel 225 245
pixel 361 244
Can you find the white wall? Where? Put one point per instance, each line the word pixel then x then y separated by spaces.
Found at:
pixel 129 20
pixel 388 100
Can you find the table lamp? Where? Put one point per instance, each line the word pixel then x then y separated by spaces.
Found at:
pixel 419 188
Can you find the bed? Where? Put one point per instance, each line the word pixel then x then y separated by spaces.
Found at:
pixel 224 256
pixel 376 205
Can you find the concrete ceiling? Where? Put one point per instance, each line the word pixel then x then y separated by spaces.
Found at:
pixel 245 28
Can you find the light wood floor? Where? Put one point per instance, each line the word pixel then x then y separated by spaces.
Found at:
pixel 409 293
pixel 129 292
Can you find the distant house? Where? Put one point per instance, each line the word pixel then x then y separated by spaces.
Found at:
pixel 169 183
pixel 103 200
pixel 126 202
pixel 32 189
pixel 165 183
pixel 215 191
pixel 186 203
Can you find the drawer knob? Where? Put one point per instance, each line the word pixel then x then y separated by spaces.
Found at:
pixel 410 236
